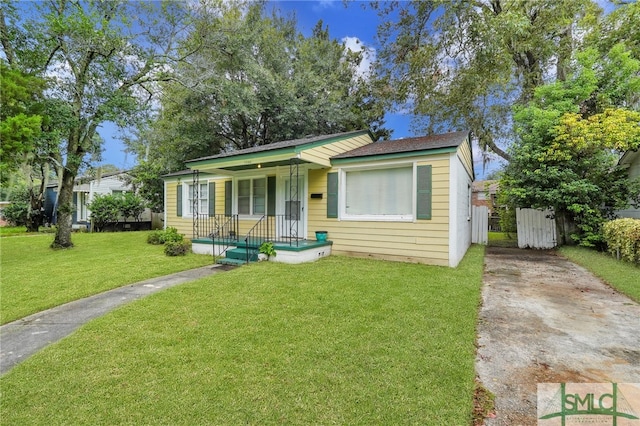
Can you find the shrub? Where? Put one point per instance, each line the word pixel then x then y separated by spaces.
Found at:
pixel 156 238
pixel 169 235
pixel 104 209
pixel 131 205
pixel 16 213
pixel 177 248
pixel 623 239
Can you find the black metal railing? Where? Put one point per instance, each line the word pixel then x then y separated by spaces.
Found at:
pixel 224 232
pixel 217 226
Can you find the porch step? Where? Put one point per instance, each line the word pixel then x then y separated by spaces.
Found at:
pixel 229 261
pixel 240 253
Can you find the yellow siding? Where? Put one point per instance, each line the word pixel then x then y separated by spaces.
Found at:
pixel 322 154
pixel 184 225
pixel 423 241
pixel 464 153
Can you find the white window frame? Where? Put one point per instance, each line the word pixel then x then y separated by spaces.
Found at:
pixel 83 211
pixel 342 200
pixel 187 201
pixel 236 192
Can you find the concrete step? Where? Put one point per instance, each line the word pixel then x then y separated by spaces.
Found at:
pixel 241 254
pixel 230 261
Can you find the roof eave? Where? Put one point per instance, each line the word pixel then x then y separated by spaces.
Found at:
pixel 394 155
pixel 268 156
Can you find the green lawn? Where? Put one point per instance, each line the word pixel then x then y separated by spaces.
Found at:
pixel 503 239
pixel 35 278
pixel 620 275
pixel 337 341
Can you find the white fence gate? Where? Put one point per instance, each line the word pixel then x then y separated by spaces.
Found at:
pixel 536 229
pixel 480 224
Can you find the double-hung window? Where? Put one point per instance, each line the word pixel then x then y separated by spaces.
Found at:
pixel 202 199
pixel 252 196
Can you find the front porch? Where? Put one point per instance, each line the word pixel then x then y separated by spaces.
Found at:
pixel 237 241
pixel 234 251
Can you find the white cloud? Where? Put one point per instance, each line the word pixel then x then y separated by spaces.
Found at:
pixel 325 4
pixel 368 57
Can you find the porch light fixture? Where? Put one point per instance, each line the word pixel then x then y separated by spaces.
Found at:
pixel 259 166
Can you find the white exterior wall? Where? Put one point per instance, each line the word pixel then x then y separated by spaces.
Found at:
pixel 459 210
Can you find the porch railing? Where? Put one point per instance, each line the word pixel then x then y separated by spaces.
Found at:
pixel 281 229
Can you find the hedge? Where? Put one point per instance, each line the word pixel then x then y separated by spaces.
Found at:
pixel 623 239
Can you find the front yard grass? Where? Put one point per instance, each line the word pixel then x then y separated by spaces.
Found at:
pixel 622 276
pixel 35 277
pixel 337 341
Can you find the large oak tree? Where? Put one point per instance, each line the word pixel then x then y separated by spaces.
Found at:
pixel 100 59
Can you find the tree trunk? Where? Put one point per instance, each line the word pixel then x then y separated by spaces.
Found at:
pixel 34 215
pixel 65 212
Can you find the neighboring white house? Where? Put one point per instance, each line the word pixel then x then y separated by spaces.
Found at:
pixel 84 191
pixel 631 159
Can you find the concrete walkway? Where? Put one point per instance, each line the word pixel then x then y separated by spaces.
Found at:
pixel 546 320
pixel 22 338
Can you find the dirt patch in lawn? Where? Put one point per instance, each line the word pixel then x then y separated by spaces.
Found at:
pixel 547 320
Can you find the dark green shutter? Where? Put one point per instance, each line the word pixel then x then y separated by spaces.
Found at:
pixel 179 200
pixel 74 215
pixel 424 192
pixel 332 195
pixel 271 196
pixel 227 198
pixel 212 199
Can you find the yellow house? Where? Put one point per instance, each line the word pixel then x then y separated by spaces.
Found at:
pixel 407 200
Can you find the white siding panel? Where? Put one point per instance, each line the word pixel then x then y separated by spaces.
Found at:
pixel 459 210
pixel 536 229
pixel 480 225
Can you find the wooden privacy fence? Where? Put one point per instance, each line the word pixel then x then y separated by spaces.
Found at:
pixel 536 228
pixel 480 225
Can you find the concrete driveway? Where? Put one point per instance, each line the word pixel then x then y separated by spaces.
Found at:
pixel 547 320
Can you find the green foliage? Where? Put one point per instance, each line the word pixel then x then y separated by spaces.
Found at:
pixel 177 248
pixel 486 58
pixel 112 53
pixel 568 142
pixel 131 205
pixel 267 248
pixel 169 235
pixel 20 117
pixel 105 209
pixel 146 178
pixel 155 237
pixel 623 238
pixel 254 80
pixel 17 213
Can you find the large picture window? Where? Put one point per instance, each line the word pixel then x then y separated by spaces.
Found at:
pixel 252 196
pixel 382 193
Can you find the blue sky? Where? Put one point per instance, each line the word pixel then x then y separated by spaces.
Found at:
pixel 348 24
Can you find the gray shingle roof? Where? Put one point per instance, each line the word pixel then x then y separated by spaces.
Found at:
pixel 423 143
